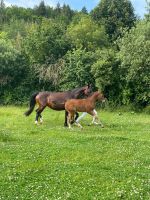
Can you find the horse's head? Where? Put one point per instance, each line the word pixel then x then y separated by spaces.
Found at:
pixel 87 90
pixel 82 92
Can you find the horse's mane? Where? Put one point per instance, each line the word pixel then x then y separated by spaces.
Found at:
pixel 73 90
pixel 77 89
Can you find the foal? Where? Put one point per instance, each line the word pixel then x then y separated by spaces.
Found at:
pixel 84 105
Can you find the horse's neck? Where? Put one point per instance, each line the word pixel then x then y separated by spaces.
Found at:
pixel 75 95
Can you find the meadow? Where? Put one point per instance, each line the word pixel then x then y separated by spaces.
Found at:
pixel 52 162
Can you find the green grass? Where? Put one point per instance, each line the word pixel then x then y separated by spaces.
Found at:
pixel 53 162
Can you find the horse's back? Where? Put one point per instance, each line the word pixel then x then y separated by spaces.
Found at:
pixel 41 98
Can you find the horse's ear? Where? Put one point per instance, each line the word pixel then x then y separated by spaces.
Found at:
pixel 89 85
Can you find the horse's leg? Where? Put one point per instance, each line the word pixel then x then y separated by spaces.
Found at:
pixel 79 118
pixel 77 115
pixel 66 118
pixel 41 118
pixel 36 117
pixel 38 114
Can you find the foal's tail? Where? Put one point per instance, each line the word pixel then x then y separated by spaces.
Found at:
pixel 32 104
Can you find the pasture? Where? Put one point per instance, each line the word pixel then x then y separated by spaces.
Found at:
pixel 52 162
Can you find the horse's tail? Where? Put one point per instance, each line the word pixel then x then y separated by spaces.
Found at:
pixel 32 104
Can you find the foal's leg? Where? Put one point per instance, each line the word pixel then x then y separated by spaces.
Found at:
pixel 69 118
pixel 74 119
pixel 95 118
pixel 77 121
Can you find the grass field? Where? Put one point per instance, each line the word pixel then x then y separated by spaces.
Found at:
pixel 53 162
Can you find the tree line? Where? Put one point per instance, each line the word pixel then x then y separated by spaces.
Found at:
pixel 56 49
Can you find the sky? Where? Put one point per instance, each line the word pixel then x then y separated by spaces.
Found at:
pixel 139 5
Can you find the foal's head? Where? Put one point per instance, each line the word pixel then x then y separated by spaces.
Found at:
pixel 100 96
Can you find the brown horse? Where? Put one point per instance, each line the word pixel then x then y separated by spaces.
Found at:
pixel 55 100
pixel 84 105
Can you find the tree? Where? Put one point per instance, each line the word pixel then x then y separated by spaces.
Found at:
pixel 135 63
pixel 66 14
pixel 13 71
pixel 148 10
pixel 45 46
pixel 45 43
pixel 57 10
pixel 84 10
pixel 77 69
pixel 19 13
pixel 87 34
pixel 115 16
pixel 2 12
pixel 41 9
pixel 106 73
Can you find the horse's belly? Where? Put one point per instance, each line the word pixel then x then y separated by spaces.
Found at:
pixel 56 106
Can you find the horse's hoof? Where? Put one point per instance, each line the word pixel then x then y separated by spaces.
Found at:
pixel 36 122
pixel 70 128
pixel 65 124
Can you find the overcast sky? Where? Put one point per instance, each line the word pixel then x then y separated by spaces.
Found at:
pixel 139 5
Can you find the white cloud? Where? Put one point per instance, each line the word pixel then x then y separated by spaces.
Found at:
pixel 7 4
pixel 29 3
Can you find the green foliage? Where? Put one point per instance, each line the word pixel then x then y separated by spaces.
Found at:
pixel 147 15
pixel 41 9
pixel 115 16
pixel 2 12
pixel 87 34
pixel 65 15
pixel 77 69
pixel 13 68
pixel 18 13
pixel 106 73
pixel 49 45
pixel 135 62
pixel 46 41
pixel 84 10
pixel 48 48
pixel 15 28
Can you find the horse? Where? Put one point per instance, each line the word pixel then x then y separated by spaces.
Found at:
pixel 55 101
pixel 84 105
